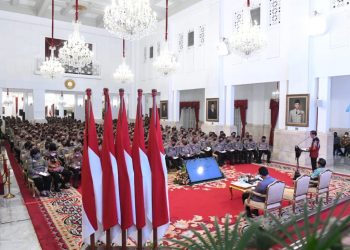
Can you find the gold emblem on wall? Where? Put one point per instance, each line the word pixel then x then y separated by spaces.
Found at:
pixel 70 84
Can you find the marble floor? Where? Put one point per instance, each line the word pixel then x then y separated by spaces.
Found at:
pixel 17 231
pixel 16 228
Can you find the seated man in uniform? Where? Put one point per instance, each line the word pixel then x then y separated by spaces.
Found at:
pixel 260 188
pixel 239 153
pixel 264 148
pixel 321 167
pixel 172 158
pixel 220 151
pixel 250 146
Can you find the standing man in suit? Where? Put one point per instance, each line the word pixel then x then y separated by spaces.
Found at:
pixel 314 149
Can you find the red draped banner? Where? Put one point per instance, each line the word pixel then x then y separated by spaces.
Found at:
pixel 274 106
pixel 242 105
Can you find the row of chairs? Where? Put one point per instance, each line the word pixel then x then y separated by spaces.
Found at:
pixel 277 191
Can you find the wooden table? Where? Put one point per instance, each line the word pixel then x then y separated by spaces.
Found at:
pixel 240 186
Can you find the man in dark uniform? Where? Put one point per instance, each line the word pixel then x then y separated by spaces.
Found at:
pixel 314 149
pixel 219 150
pixel 172 159
pixel 264 148
pixel 250 147
pixel 239 154
pixel 185 150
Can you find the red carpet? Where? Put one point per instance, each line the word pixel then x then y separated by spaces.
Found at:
pixel 189 205
pixel 186 203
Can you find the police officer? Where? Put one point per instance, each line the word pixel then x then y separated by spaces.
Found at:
pixel 185 150
pixel 172 158
pixel 196 148
pixel 230 148
pixel 250 147
pixel 219 150
pixel 264 148
pixel 239 150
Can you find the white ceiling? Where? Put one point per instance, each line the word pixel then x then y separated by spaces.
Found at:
pixel 92 16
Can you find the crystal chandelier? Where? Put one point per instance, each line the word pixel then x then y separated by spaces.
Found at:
pixel 75 52
pixel 249 37
pixel 51 67
pixel 123 73
pixel 8 100
pixel 130 19
pixel 166 62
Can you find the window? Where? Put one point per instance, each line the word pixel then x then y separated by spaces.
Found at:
pixel 151 52
pixel 255 14
pixel 190 40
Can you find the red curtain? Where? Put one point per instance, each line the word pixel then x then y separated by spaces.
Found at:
pixel 242 105
pixel 195 106
pixel 16 101
pixel 274 106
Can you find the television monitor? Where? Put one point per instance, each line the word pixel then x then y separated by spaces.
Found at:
pixel 203 169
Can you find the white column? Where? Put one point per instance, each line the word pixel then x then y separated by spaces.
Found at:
pixel 283 88
pixel 60 110
pixel 170 101
pixel 324 104
pixel 96 99
pixel 39 105
pixel 230 99
pixel 176 106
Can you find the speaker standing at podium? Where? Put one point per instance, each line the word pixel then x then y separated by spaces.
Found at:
pixel 314 149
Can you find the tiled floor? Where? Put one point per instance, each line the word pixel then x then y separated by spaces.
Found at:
pixel 17 232
pixel 16 228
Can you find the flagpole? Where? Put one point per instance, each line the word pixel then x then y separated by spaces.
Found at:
pixel 108 231
pixel 154 94
pixel 87 119
pixel 121 108
pixel 139 108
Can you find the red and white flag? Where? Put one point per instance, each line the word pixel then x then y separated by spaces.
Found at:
pixel 143 177
pixel 91 178
pixel 110 182
pixel 125 169
pixel 156 156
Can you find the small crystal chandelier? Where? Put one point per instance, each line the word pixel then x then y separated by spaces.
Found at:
pixel 123 73
pixel 130 19
pixel 276 94
pixel 8 100
pixel 51 67
pixel 75 52
pixel 166 62
pixel 249 37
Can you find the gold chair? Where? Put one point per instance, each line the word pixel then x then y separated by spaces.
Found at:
pixel 321 185
pixel 299 192
pixel 273 198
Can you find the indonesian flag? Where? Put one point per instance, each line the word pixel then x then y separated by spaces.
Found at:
pixel 110 182
pixel 91 178
pixel 143 178
pixel 125 169
pixel 156 156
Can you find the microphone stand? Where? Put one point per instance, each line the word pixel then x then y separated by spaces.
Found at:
pixel 298 152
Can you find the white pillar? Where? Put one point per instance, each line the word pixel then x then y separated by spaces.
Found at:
pixel 230 99
pixel 170 101
pixel 39 105
pixel 1 114
pixel 176 106
pixel 324 104
pixel 60 110
pixel 96 99
pixel 283 88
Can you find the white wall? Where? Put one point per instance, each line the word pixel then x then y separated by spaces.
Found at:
pixel 22 41
pixel 340 100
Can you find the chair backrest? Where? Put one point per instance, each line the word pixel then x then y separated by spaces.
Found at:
pixel 275 192
pixel 325 179
pixel 301 185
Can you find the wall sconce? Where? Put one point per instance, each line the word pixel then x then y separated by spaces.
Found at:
pixel 80 101
pixel 30 100
pixel 317 24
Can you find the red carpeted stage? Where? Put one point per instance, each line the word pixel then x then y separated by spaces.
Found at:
pixel 57 219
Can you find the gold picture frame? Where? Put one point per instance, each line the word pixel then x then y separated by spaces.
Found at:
pixel 297 110
pixel 212 107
